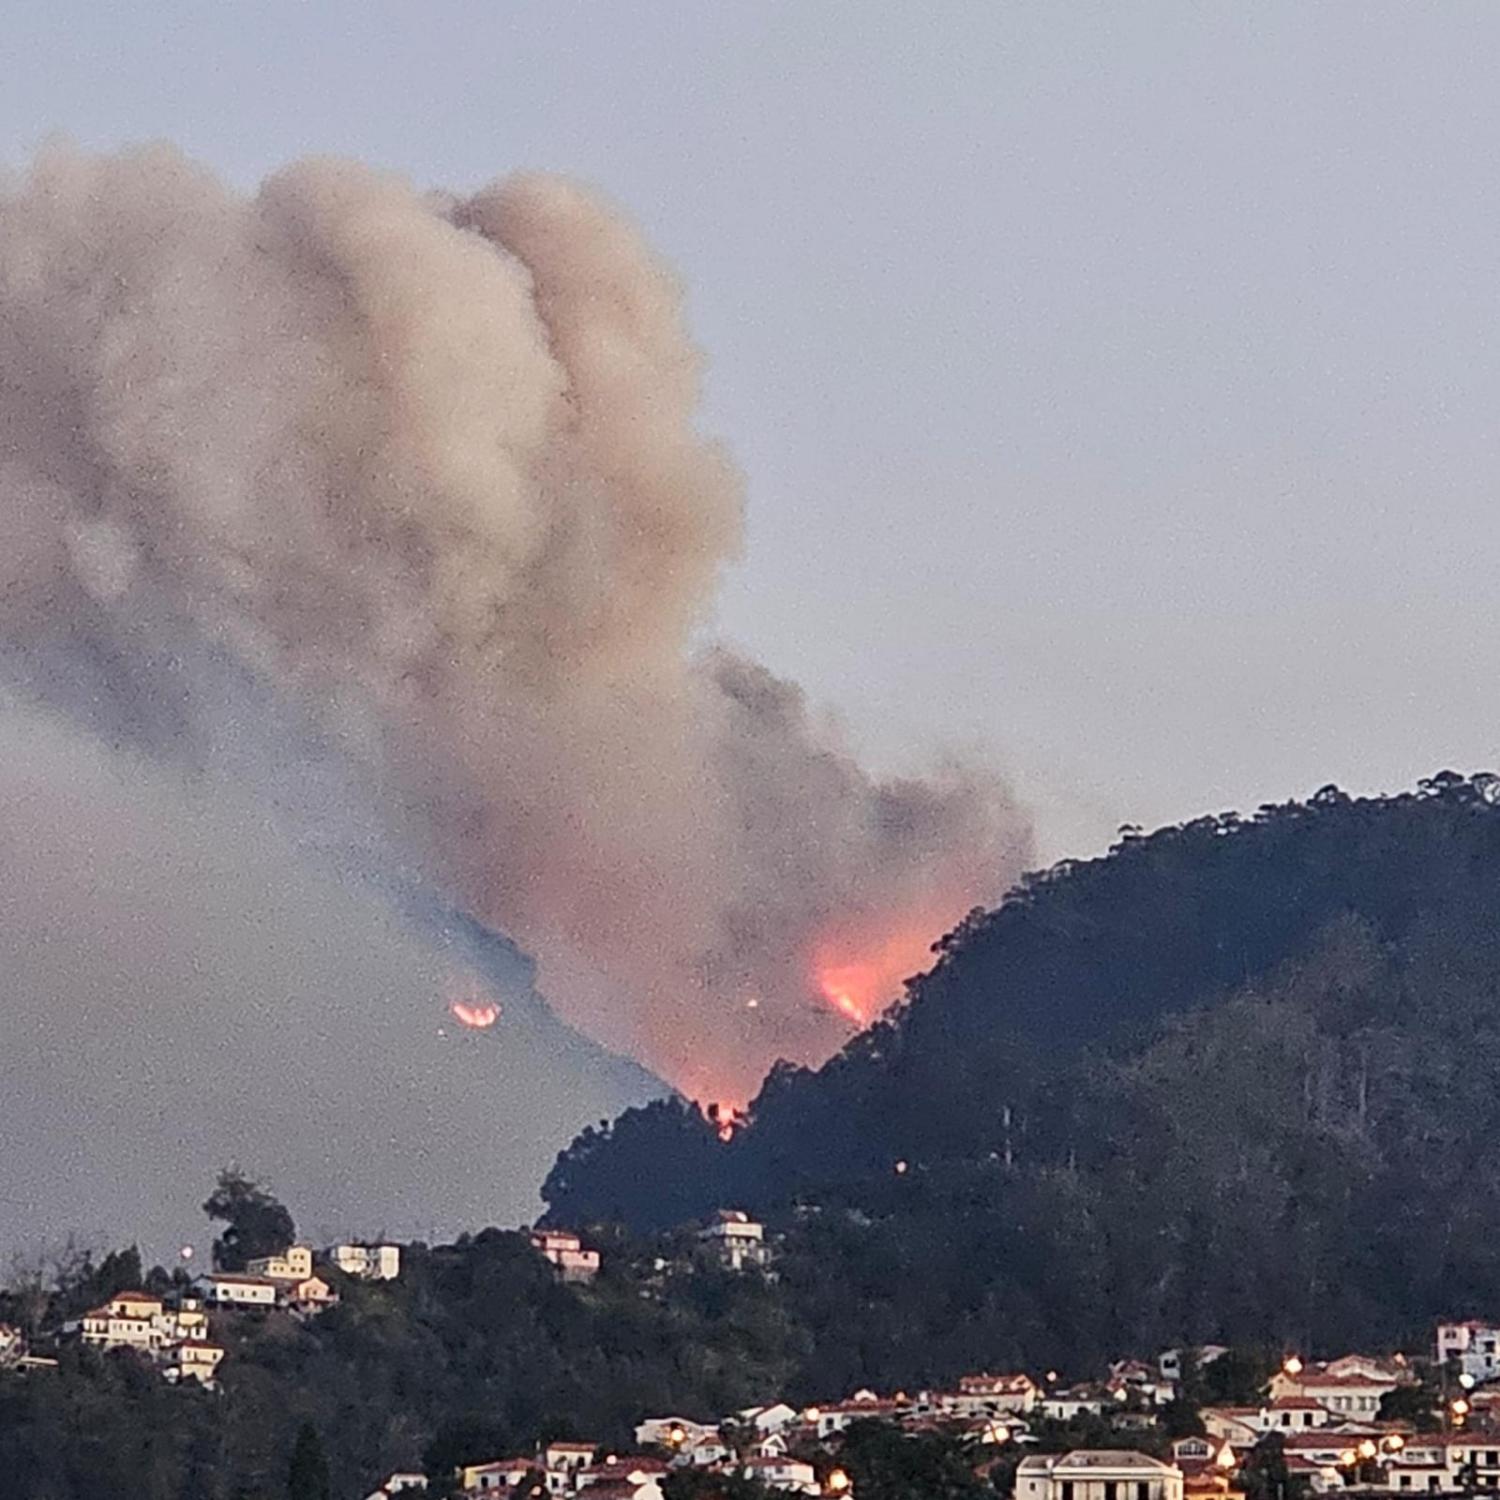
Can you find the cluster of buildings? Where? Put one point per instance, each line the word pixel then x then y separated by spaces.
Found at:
pixel 174 1330
pixel 732 1239
pixel 1325 1416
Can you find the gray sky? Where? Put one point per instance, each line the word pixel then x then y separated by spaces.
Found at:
pixel 1114 383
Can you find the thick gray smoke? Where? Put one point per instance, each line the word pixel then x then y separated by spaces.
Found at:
pixel 426 469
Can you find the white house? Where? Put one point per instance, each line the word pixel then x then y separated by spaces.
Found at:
pixel 1474 1344
pixel 637 1472
pixel 1073 1402
pixel 566 1252
pixel 862 1406
pixel 129 1320
pixel 193 1359
pixel 400 1483
pixel 791 1474
pixel 767 1418
pixel 295 1263
pixel 230 1289
pixel 1097 1474
pixel 671 1433
pixel 497 1475
pixel 737 1240
pixel 367 1262
pixel 985 1396
pixel 1294 1414
pixel 1353 1396
pixel 1240 1425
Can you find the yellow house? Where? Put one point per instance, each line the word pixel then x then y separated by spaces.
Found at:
pixel 293 1264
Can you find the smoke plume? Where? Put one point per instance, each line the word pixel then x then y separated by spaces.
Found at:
pixel 425 468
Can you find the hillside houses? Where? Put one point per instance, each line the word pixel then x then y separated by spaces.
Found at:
pixel 737 1241
pixel 567 1253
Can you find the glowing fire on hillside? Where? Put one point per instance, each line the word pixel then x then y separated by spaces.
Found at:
pixel 726 1118
pixel 471 1006
pixel 860 977
pixel 477 1017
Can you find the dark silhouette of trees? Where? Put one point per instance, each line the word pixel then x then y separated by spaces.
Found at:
pixel 255 1223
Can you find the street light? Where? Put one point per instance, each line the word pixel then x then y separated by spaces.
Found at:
pixel 1367 1449
pixel 838 1482
pixel 1466 1380
pixel 1395 1442
pixel 1292 1364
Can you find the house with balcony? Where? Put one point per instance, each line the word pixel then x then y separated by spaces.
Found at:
pixel 738 1243
pixel 1097 1474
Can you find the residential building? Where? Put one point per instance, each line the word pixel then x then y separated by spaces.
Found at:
pixel 231 1289
pixel 367 1262
pixel 400 1483
pixel 1350 1395
pixel 295 1263
pixel 1097 1474
pixel 862 1406
pixel 1240 1425
pixel 497 1475
pixel 987 1396
pixel 738 1242
pixel 767 1418
pixel 129 1320
pixel 793 1475
pixel 193 1359
pixel 562 1462
pixel 1169 1362
pixel 307 1296
pixel 672 1433
pixel 636 1471
pixel 1475 1345
pixel 1294 1414
pixel 566 1251
pixel 1073 1402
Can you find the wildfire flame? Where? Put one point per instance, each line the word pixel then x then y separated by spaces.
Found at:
pixel 470 1005
pixel 725 1117
pixel 477 1016
pixel 860 976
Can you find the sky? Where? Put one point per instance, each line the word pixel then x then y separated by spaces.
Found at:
pixel 1114 386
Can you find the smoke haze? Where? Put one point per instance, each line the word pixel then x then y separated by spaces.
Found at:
pixel 423 470
pixel 185 988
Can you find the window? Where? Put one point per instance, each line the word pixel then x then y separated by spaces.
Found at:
pixel 1067 1489
pixel 1143 1491
pixel 1405 1481
pixel 1111 1490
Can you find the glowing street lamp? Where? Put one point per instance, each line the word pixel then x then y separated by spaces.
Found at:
pixel 1466 1380
pixel 1367 1449
pixel 837 1483
pixel 1292 1364
pixel 1348 1458
pixel 1395 1442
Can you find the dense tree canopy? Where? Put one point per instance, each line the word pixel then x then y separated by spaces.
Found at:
pixel 255 1223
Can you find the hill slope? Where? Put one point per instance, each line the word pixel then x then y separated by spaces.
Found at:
pixel 1237 1078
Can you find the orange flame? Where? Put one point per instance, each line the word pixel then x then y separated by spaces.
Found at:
pixel 860 987
pixel 726 1118
pixel 469 1003
pixel 477 1015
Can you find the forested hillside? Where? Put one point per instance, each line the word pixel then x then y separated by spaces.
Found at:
pixel 1237 1078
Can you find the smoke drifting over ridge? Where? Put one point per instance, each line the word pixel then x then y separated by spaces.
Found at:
pixel 425 468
